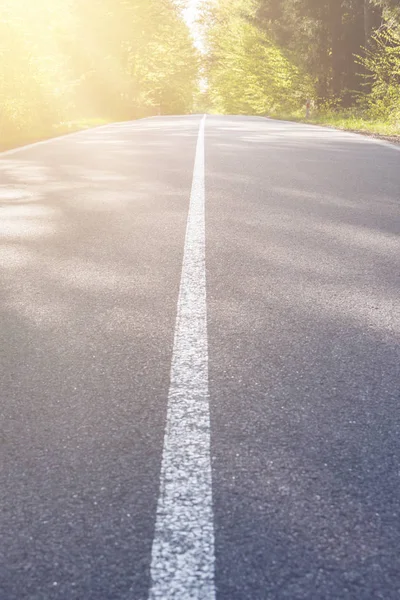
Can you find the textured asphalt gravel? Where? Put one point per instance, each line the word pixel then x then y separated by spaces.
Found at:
pixel 303 282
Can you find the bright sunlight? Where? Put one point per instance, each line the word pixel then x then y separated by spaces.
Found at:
pixel 71 64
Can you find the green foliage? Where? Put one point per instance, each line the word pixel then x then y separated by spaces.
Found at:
pixel 66 60
pixel 382 62
pixel 349 119
pixel 247 72
pixel 268 56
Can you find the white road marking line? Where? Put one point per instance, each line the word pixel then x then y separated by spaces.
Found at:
pixel 182 565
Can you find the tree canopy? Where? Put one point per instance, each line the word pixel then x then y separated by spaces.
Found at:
pixel 247 72
pixel 266 54
pixel 72 59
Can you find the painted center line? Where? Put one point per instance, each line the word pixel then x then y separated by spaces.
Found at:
pixel 182 566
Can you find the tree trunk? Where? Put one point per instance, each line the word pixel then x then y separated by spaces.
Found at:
pixel 367 23
pixel 372 20
pixel 336 21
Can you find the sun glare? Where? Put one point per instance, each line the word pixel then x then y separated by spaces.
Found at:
pixel 191 14
pixel 66 62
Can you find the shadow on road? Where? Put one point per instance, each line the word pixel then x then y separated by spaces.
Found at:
pixel 304 359
pixel 91 240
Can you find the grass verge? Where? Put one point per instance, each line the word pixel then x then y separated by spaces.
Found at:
pixel 348 121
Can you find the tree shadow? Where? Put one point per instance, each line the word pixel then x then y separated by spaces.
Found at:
pixel 304 332
pixel 91 244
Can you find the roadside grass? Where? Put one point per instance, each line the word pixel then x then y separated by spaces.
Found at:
pixel 22 137
pixel 346 120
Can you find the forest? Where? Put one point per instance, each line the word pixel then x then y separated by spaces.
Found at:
pixel 68 64
pixel 72 63
pixel 268 57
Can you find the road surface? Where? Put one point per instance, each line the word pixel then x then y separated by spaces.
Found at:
pixel 199 364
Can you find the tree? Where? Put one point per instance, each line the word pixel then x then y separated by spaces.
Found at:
pixel 69 59
pixel 246 70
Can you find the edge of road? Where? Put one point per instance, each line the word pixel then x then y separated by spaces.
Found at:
pixel 370 138
pixel 67 135
pixel 55 138
pixel 17 149
pixel 366 136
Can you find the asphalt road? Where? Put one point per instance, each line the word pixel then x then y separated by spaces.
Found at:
pixel 298 364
